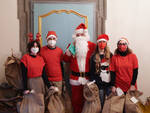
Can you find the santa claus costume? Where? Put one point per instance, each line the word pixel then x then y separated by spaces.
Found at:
pixel 79 65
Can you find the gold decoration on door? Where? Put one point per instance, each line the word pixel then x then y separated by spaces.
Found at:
pixel 58 12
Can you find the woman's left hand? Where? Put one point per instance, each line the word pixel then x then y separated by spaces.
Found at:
pixel 54 88
pixel 132 88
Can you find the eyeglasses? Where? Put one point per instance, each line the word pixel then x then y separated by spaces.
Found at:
pixel 122 44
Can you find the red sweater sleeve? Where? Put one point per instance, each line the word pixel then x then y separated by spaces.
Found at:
pixel 112 64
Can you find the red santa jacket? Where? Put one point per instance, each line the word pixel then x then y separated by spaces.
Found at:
pixel 74 63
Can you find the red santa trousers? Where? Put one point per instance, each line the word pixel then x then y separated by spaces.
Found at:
pixel 77 98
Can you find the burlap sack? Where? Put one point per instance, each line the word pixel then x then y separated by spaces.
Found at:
pixel 32 103
pixel 8 98
pixel 8 105
pixel 144 108
pixel 7 108
pixel 66 100
pixel 13 72
pixel 114 104
pixel 6 91
pixel 55 104
pixel 141 108
pixel 57 84
pixel 131 107
pixel 147 101
pixel 92 101
pixel 148 104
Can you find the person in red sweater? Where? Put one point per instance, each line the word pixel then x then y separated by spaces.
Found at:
pixel 78 55
pixel 33 68
pixel 53 57
pixel 123 67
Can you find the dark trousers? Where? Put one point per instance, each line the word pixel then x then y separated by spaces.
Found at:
pixel 102 94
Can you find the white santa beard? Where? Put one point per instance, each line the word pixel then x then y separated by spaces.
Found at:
pixel 81 52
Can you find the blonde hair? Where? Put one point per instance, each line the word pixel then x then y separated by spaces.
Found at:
pixel 107 55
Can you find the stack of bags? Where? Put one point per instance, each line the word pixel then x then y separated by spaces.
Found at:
pixel 11 91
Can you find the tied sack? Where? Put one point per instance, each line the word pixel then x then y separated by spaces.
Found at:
pixel 131 107
pixel 13 72
pixel 146 107
pixel 147 104
pixel 114 104
pixel 55 104
pixel 32 103
pixel 66 99
pixel 92 101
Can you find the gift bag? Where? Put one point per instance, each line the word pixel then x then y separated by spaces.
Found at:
pixel 55 104
pixel 114 104
pixel 92 101
pixel 32 103
pixel 13 72
pixel 66 99
pixel 143 108
pixel 147 101
pixel 131 107
pixel 147 104
pixel 6 91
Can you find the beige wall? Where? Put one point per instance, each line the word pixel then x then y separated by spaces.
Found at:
pixel 128 18
pixel 131 18
pixel 9 31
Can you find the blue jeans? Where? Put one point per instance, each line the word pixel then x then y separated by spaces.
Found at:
pixel 102 94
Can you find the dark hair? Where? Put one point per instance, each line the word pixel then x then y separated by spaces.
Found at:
pixel 128 51
pixel 31 44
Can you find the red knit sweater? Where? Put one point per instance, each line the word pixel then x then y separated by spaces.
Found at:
pixel 53 59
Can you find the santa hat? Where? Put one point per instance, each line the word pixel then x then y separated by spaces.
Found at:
pixel 102 37
pixel 81 29
pixel 51 34
pixel 124 39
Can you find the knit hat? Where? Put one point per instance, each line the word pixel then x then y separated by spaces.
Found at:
pixel 102 37
pixel 51 34
pixel 81 29
pixel 124 39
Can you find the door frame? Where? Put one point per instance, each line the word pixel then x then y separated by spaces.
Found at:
pixel 25 17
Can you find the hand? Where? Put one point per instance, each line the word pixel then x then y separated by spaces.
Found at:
pixel 91 82
pixel 26 92
pixel 32 91
pixel 113 89
pixel 54 88
pixel 68 53
pixel 132 88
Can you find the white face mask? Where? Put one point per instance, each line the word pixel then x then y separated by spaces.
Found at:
pixel 35 50
pixel 52 43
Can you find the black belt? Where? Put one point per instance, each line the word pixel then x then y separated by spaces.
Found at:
pixel 80 74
